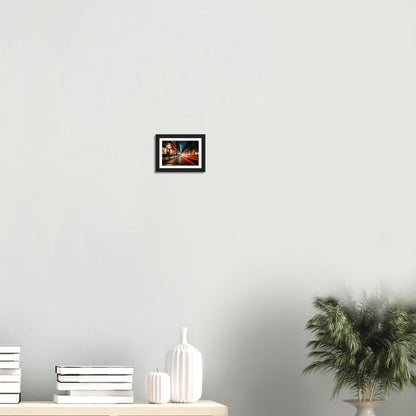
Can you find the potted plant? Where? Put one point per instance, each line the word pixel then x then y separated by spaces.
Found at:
pixel 369 345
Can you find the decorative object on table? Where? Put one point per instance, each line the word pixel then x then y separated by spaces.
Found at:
pixel 369 345
pixel 94 384
pixel 364 408
pixel 10 374
pixel 186 372
pixel 158 387
pixel 180 153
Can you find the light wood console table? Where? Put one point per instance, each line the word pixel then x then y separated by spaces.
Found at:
pixel 201 408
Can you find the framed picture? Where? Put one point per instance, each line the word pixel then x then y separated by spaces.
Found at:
pixel 180 152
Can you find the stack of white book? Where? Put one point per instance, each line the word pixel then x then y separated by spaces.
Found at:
pixel 94 384
pixel 10 374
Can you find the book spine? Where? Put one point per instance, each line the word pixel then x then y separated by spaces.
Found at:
pixel 4 365
pixel 10 378
pixel 9 349
pixel 9 387
pixel 9 357
pixel 95 379
pixel 93 386
pixel 99 392
pixel 76 371
pixel 12 398
pixel 62 399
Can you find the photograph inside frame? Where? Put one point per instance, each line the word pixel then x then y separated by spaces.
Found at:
pixel 180 153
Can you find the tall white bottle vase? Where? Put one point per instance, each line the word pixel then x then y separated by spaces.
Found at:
pixel 186 372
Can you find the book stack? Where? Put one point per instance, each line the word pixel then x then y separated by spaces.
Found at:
pixel 94 384
pixel 10 374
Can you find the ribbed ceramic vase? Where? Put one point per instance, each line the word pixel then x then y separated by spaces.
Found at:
pixel 186 372
pixel 157 387
pixel 364 408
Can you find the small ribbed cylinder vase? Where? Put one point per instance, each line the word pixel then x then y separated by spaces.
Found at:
pixel 158 388
pixel 186 372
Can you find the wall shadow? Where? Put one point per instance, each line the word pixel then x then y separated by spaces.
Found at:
pixel 266 356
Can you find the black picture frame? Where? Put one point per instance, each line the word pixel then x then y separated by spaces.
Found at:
pixel 180 153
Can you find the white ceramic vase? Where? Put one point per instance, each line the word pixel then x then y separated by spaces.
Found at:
pixel 364 407
pixel 186 372
pixel 158 388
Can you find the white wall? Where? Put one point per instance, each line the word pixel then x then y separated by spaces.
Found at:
pixel 308 107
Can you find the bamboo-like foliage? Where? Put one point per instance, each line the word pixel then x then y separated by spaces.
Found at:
pixel 369 345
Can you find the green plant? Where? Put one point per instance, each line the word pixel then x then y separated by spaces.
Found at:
pixel 369 345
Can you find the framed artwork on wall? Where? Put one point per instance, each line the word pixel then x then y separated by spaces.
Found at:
pixel 180 152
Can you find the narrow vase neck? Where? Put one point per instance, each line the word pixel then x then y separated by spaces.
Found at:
pixel 184 335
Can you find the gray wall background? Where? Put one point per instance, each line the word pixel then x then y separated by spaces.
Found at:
pixel 308 107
